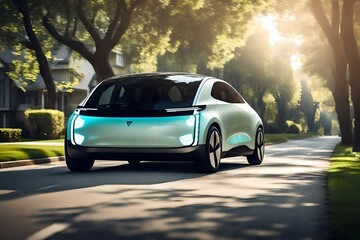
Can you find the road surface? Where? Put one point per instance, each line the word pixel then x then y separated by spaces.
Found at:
pixel 284 198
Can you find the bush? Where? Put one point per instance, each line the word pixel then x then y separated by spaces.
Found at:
pixel 10 134
pixel 272 128
pixel 293 127
pixel 45 123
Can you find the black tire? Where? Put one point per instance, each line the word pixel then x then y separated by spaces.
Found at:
pixel 134 162
pixel 258 156
pixel 78 164
pixel 210 161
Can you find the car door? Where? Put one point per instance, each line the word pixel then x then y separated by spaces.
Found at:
pixel 228 113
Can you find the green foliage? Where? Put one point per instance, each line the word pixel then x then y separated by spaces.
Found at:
pixel 207 32
pixel 147 37
pixel 343 181
pixel 25 67
pixel 45 123
pixel 10 134
pixel 292 127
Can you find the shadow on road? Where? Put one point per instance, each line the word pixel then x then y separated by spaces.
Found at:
pixel 30 182
pixel 284 198
pixel 279 213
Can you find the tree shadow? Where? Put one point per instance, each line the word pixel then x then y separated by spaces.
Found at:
pixel 22 183
pixel 282 213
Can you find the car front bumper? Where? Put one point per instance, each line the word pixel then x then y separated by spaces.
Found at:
pixel 191 153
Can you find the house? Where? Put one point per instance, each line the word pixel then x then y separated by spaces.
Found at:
pixel 65 67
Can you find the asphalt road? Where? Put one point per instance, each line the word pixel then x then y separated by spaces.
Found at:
pixel 284 198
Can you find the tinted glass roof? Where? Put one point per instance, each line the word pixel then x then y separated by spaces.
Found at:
pixel 175 77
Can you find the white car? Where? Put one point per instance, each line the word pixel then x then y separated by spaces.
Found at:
pixel 163 116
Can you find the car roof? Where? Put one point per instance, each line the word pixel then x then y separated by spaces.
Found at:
pixel 177 76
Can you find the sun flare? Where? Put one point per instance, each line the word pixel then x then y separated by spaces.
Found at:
pixel 268 22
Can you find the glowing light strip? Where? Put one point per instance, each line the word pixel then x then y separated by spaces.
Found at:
pixel 86 109
pixel 197 122
pixel 72 130
pixel 185 109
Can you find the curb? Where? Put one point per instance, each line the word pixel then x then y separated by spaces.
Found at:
pixel 27 162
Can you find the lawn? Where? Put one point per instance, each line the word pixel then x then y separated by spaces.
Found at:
pixel 344 182
pixel 281 137
pixel 11 152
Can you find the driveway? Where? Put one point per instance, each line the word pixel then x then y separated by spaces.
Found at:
pixel 284 198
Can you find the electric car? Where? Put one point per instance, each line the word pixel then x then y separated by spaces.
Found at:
pixel 163 117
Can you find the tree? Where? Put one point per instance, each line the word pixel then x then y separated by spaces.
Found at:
pixel 341 89
pixel 21 11
pixel 252 67
pixel 353 59
pixel 104 31
pixel 207 33
pixel 284 87
pixel 309 107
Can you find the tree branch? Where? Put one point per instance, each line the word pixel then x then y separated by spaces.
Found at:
pixel 335 17
pixel 88 25
pixel 320 17
pixel 71 43
pixel 125 22
pixel 119 7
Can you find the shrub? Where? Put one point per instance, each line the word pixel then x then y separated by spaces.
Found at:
pixel 45 123
pixel 10 134
pixel 293 127
pixel 272 128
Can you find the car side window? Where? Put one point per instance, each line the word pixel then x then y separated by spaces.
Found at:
pixel 235 95
pixel 106 95
pixel 224 92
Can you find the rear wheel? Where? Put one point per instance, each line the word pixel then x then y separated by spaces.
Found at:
pixel 258 156
pixel 78 164
pixel 210 161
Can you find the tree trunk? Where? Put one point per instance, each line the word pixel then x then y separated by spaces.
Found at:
pixel 282 112
pixel 45 71
pixel 341 96
pixel 353 58
pixel 261 104
pixel 101 65
pixel 341 88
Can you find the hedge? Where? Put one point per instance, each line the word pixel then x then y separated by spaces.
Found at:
pixel 45 123
pixel 10 134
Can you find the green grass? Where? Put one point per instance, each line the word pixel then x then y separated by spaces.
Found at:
pixel 11 152
pixel 36 140
pixel 344 185
pixel 281 137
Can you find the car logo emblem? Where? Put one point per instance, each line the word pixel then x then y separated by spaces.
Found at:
pixel 128 123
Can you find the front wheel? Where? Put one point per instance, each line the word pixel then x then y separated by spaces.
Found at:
pixel 258 156
pixel 78 164
pixel 210 161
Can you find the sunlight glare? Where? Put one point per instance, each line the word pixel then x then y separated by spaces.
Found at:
pixel 296 63
pixel 269 23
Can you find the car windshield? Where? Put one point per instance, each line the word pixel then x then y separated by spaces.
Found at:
pixel 144 93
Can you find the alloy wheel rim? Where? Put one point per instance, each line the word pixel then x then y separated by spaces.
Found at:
pixel 260 145
pixel 214 149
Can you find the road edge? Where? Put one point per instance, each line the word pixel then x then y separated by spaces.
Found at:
pixel 19 163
